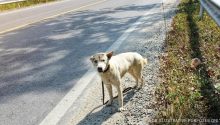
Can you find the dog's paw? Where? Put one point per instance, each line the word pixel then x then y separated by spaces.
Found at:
pixel 136 87
pixel 140 87
pixel 121 109
pixel 109 103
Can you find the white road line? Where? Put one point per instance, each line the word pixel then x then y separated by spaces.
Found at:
pixel 62 107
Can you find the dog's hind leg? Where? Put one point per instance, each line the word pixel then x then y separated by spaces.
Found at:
pixel 140 75
pixel 136 79
pixel 141 67
pixel 131 72
pixel 142 80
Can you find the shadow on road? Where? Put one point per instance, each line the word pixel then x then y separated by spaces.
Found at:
pixel 51 56
pixel 100 116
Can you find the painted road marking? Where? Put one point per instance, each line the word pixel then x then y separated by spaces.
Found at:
pixel 62 107
pixel 73 10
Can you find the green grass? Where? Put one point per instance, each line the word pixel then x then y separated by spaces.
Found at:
pixel 186 93
pixel 21 4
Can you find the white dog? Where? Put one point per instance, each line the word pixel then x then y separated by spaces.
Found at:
pixel 113 68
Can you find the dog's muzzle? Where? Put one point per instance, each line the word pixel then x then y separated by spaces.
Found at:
pixel 99 69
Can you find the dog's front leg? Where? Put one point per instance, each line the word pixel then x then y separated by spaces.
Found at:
pixel 109 88
pixel 120 96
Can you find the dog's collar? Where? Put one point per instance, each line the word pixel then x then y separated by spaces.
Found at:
pixel 106 69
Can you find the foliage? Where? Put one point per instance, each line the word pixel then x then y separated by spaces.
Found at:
pixel 21 4
pixel 186 93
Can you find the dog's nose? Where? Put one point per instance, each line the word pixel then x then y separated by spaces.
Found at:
pixel 99 69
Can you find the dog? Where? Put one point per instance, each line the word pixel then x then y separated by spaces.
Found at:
pixel 112 68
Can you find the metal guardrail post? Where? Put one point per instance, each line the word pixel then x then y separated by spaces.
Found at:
pixel 212 7
pixel 201 11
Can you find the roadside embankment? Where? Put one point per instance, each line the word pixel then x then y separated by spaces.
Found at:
pixel 189 92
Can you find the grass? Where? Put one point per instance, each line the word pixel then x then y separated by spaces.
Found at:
pixel 21 4
pixel 185 93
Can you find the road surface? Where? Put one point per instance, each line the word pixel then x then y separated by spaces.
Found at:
pixel 41 63
pixel 19 18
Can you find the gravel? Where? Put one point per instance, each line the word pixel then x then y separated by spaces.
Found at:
pixel 148 40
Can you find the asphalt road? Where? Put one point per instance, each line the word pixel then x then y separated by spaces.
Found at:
pixel 40 63
pixel 11 20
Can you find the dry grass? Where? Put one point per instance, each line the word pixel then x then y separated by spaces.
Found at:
pixel 184 92
pixel 21 4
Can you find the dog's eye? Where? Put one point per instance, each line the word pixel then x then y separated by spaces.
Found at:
pixel 95 61
pixel 103 60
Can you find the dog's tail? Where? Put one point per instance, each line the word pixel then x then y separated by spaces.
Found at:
pixel 145 61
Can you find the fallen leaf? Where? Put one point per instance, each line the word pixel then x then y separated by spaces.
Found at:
pixel 217 56
pixel 210 72
pixel 218 49
pixel 218 76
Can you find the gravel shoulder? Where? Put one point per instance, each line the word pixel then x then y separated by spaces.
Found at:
pixel 148 40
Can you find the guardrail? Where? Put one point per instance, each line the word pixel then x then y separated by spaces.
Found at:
pixel 212 7
pixel 10 1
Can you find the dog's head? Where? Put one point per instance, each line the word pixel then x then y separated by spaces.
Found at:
pixel 101 60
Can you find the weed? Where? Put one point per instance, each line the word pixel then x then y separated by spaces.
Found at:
pixel 188 94
pixel 21 4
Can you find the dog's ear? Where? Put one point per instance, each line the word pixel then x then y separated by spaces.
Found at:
pixel 91 58
pixel 109 55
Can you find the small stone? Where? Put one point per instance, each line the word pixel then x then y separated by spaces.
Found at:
pixel 195 63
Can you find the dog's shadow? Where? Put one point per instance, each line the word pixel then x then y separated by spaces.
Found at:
pixel 98 117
